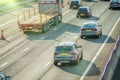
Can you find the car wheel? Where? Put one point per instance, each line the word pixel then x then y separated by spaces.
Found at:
pixel 77 16
pixel 81 56
pixel 81 36
pixel 98 36
pixel 77 61
pixel 100 33
pixel 55 63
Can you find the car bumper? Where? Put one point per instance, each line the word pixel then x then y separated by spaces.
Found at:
pixel 89 33
pixel 63 60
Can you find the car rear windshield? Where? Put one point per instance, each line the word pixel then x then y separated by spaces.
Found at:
pixel 82 9
pixel 74 2
pixel 64 48
pixel 89 25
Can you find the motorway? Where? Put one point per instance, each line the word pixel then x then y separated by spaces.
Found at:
pixel 30 56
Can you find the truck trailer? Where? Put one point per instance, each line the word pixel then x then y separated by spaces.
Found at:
pixel 49 14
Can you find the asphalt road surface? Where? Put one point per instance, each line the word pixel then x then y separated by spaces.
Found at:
pixel 29 56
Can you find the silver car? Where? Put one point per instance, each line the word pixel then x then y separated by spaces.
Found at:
pixel 68 52
pixel 4 77
pixel 91 29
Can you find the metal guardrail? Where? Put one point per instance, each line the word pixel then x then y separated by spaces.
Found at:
pixel 112 56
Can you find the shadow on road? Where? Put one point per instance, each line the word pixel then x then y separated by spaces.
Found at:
pixel 100 40
pixel 55 32
pixel 91 18
pixel 80 69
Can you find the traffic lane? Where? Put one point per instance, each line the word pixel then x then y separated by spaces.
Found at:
pixel 16 53
pixel 38 67
pixel 25 61
pixel 15 67
pixel 10 46
pixel 105 52
pixel 90 48
pixel 75 69
pixel 57 74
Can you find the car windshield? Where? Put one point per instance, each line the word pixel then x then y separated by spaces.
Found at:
pixel 74 2
pixel 64 48
pixel 82 9
pixel 89 25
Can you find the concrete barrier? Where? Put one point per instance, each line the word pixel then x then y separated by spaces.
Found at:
pixel 112 62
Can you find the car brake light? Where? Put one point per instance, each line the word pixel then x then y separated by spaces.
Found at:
pixel 55 53
pixel 82 29
pixel 94 29
pixel 73 53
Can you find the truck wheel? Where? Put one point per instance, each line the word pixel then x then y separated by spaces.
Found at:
pixel 60 19
pixel 56 20
pixel 44 29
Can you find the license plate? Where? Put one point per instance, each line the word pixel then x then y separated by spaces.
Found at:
pixel 74 6
pixel 88 30
pixel 82 14
pixel 64 54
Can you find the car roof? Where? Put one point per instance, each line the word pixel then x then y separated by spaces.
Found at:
pixel 84 7
pixel 66 43
pixel 90 23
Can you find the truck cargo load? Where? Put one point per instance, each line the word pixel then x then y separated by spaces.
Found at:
pixel 49 14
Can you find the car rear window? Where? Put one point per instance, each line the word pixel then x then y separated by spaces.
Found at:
pixel 89 25
pixel 74 2
pixel 64 48
pixel 82 9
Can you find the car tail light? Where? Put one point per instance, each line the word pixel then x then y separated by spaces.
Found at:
pixel 94 29
pixel 73 53
pixel 55 53
pixel 82 29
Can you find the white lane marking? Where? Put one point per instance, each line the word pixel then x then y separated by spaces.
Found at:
pixel 9 38
pixel 97 54
pixel 48 63
pixel 13 49
pixel 43 37
pixel 25 49
pixel 3 65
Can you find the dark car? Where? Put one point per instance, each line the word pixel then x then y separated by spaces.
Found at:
pixel 114 4
pixel 4 77
pixel 91 29
pixel 84 12
pixel 68 52
pixel 75 4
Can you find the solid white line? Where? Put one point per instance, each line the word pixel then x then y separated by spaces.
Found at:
pixel 48 63
pixel 97 54
pixel 25 49
pixel 9 38
pixel 3 65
